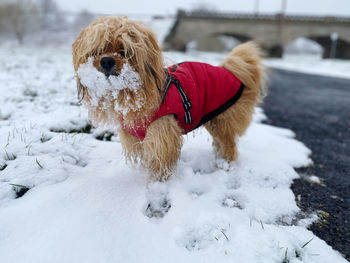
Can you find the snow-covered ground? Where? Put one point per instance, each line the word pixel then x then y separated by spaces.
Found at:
pixel 84 204
pixel 312 65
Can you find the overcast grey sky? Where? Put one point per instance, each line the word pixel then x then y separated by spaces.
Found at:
pixel 165 7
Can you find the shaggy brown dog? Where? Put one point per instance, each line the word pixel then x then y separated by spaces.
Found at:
pixel 130 43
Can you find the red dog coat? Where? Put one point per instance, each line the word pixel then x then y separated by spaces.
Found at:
pixel 195 93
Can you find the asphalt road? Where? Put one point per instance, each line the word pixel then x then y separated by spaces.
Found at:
pixel 317 109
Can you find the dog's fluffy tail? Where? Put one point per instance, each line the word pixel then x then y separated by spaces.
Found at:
pixel 244 62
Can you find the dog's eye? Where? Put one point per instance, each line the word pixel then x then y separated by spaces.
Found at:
pixel 121 52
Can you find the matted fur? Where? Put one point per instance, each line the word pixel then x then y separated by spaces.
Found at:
pixel 132 42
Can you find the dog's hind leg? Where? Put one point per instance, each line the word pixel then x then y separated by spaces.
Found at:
pixel 245 63
pixel 224 132
pixel 162 147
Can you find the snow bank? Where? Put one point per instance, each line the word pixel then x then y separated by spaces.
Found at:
pixel 86 205
pixel 312 65
pixel 309 64
pixel 304 46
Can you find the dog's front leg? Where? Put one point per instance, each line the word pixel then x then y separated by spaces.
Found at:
pixel 162 147
pixel 132 146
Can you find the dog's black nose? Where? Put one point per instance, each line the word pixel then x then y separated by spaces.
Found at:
pixel 107 65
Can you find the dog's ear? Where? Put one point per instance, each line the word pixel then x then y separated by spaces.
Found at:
pixel 157 78
pixel 154 64
pixel 75 52
pixel 144 54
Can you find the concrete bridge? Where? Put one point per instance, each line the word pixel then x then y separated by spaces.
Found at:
pixel 272 32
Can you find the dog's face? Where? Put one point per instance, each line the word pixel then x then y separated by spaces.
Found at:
pixel 119 69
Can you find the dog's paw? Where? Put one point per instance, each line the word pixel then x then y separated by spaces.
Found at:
pixel 222 164
pixel 207 232
pixel 230 201
pixel 158 209
pixel 158 202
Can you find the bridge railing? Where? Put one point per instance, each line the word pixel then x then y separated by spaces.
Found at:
pixel 272 17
